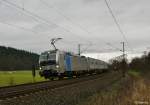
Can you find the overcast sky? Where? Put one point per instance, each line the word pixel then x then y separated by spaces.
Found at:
pixel 87 22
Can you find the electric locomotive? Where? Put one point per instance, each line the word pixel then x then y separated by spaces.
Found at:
pixel 56 63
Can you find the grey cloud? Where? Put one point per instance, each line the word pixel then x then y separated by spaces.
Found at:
pixel 89 21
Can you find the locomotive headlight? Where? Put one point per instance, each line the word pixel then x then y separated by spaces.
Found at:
pixel 57 66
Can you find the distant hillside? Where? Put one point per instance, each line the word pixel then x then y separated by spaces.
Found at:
pixel 14 59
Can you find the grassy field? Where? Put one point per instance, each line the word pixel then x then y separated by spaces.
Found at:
pixel 66 95
pixel 9 78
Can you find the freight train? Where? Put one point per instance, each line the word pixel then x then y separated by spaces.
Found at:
pixel 56 63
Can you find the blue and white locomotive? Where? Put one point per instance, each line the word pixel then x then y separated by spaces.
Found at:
pixel 56 63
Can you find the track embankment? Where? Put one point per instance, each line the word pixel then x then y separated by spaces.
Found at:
pixel 68 92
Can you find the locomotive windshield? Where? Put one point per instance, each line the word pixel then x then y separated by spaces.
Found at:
pixel 47 59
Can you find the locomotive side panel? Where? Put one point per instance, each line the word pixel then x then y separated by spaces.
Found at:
pixel 85 63
pixel 79 63
pixel 74 63
pixel 91 64
pixel 61 63
pixel 98 65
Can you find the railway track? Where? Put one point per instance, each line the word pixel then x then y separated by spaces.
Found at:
pixel 20 90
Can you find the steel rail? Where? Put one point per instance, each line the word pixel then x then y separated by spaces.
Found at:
pixel 20 90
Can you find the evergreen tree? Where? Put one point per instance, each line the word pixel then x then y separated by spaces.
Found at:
pixel 14 59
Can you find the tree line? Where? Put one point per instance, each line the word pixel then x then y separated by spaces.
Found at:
pixel 141 64
pixel 15 59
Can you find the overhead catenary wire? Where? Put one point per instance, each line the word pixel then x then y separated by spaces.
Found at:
pixel 18 27
pixel 34 32
pixel 112 46
pixel 37 17
pixel 66 17
pixel 85 49
pixel 117 23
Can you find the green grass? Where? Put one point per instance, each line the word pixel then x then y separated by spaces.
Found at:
pixel 134 73
pixel 8 78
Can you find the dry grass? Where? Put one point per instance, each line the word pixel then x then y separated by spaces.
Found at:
pixel 133 91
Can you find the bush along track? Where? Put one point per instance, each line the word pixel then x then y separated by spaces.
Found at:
pixel 132 90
